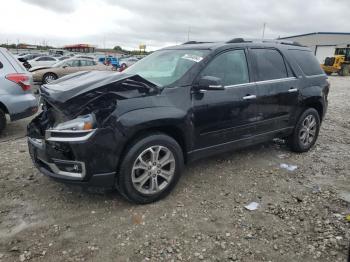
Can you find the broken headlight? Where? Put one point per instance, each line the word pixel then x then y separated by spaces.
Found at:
pixel 86 122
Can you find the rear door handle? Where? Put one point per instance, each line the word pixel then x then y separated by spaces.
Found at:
pixel 249 97
pixel 292 90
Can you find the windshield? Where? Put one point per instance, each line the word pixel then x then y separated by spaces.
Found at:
pixel 166 66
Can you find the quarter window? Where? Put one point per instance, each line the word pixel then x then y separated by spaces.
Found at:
pixel 269 64
pixel 86 63
pixel 231 67
pixel 307 62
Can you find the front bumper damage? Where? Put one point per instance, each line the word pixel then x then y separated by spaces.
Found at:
pixel 89 156
pixel 85 158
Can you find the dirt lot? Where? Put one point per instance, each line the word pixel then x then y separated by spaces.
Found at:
pixel 301 216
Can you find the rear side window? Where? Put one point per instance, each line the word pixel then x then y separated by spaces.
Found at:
pixel 307 62
pixel 231 67
pixel 269 64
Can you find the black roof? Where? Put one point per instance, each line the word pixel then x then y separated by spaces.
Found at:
pixel 236 42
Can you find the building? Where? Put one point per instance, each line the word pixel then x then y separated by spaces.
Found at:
pixel 26 46
pixel 323 44
pixel 82 48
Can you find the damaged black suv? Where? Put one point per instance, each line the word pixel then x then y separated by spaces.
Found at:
pixel 135 130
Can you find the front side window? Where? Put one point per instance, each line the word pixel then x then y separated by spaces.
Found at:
pixel 269 64
pixel 231 67
pixel 164 67
pixel 73 63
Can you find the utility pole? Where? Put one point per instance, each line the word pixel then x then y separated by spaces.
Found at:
pixel 263 32
pixel 188 34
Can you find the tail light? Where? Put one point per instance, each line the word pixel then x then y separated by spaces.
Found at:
pixel 22 80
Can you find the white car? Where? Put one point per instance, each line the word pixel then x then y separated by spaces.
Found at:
pixel 126 62
pixel 43 61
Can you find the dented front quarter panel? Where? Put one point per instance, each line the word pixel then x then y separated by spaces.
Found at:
pixel 122 111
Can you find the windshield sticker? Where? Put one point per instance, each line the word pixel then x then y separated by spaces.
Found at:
pixel 193 58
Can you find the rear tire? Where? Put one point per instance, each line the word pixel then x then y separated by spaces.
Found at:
pixel 49 77
pixel 306 131
pixel 2 121
pixel 150 169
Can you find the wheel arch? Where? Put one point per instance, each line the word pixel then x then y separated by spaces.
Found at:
pixel 4 108
pixel 316 104
pixel 47 74
pixel 170 130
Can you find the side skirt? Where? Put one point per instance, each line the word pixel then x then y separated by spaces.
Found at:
pixel 237 144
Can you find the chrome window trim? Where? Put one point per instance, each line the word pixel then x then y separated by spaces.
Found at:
pixel 238 85
pixel 263 82
pixel 311 76
pixel 276 80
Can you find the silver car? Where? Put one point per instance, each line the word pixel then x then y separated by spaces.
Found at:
pixel 16 98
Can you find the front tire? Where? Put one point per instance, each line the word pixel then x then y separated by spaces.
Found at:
pixel 306 131
pixel 2 121
pixel 345 70
pixel 150 169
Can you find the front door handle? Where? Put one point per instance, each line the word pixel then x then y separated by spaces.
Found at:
pixel 292 90
pixel 249 97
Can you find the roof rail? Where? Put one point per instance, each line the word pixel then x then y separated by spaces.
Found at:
pixel 195 42
pixel 242 40
pixel 238 40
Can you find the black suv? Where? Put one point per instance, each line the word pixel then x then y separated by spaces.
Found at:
pixel 135 130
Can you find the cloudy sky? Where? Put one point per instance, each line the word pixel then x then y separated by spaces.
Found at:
pixel 128 23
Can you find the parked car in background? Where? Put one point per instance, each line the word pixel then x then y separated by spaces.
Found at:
pixel 85 57
pixel 63 58
pixel 16 98
pixel 72 65
pixel 126 62
pixel 43 61
pixel 135 130
pixel 27 57
pixel 110 60
pixel 30 56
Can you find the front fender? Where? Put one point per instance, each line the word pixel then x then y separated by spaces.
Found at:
pixel 155 118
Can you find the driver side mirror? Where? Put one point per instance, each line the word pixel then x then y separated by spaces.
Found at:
pixel 210 83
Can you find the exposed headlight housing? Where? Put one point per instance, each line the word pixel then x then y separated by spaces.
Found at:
pixel 81 123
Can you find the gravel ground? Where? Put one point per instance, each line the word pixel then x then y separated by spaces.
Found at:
pixel 301 216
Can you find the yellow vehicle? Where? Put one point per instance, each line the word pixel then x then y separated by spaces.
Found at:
pixel 339 63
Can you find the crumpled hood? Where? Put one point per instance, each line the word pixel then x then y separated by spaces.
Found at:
pixel 77 90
